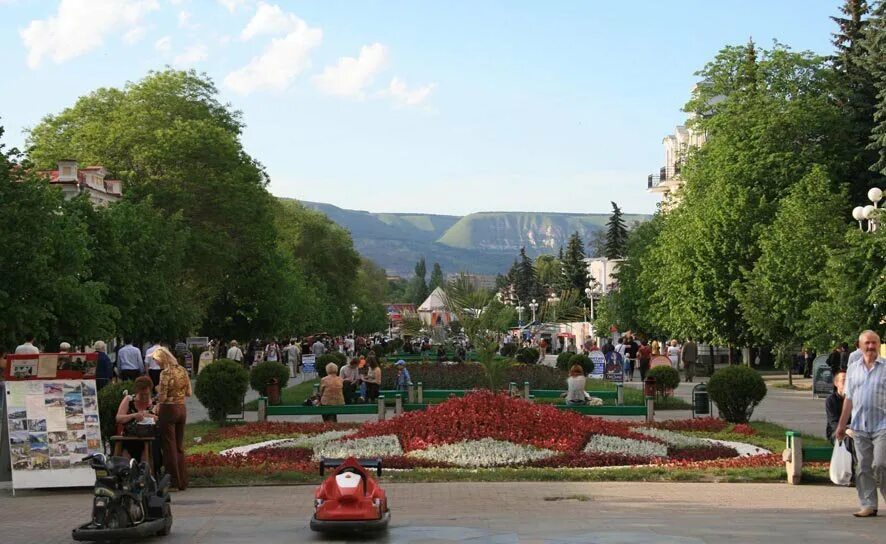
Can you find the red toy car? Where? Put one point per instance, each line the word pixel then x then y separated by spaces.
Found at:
pixel 350 499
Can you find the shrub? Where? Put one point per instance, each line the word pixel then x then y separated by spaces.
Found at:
pixel 666 378
pixel 736 390
pixel 583 360
pixel 395 345
pixel 340 358
pixel 324 360
pixel 221 388
pixel 378 350
pixel 508 350
pixel 472 376
pixel 563 360
pixel 263 373
pixel 108 401
pixel 527 356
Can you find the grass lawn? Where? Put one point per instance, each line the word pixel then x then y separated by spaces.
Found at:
pixel 295 394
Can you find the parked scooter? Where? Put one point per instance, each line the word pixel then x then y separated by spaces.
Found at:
pixel 127 502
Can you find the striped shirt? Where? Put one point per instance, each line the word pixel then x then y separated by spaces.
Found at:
pixel 867 390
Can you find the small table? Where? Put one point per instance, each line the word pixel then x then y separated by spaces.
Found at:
pixel 147 445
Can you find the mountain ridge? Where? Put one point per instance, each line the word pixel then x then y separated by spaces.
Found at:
pixel 481 242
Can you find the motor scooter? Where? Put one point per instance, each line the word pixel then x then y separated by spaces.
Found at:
pixel 128 502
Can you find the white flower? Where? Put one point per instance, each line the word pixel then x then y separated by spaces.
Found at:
pixel 487 452
pixel 312 440
pixel 744 450
pixel 626 446
pixel 673 439
pixel 374 446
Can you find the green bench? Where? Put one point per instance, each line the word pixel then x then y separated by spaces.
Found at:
pixel 265 410
pixel 605 410
pixel 556 393
pixel 796 453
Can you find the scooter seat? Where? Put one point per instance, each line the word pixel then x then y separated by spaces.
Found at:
pixel 118 464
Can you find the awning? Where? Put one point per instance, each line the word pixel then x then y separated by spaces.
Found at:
pixel 565 335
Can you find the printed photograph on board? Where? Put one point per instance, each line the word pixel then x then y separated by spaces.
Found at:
pixel 88 389
pixel 75 422
pixel 57 463
pixel 53 389
pixel 19 437
pixel 37 425
pixel 18 425
pixel 40 457
pixel 21 457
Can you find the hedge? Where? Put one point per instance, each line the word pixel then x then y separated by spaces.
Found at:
pixel 263 373
pixel 221 388
pixel 471 376
pixel 736 390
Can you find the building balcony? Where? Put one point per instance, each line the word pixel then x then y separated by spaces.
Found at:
pixel 660 183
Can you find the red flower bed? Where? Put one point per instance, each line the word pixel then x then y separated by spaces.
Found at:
pixel 261 460
pixel 487 415
pixel 274 427
pixel 771 460
pixel 705 424
pixel 743 428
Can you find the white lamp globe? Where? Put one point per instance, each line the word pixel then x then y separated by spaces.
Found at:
pixel 869 211
pixel 875 194
pixel 858 213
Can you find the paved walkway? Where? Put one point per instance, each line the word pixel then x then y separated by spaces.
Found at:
pixel 684 513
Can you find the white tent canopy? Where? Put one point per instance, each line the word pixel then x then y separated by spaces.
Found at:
pixel 434 302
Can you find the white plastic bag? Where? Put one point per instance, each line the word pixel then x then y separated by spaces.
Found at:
pixel 841 464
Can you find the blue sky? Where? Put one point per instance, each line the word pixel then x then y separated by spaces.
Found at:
pixel 438 107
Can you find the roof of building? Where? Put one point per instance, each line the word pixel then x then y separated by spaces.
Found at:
pixel 81 178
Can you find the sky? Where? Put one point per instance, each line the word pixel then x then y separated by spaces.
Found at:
pixel 447 107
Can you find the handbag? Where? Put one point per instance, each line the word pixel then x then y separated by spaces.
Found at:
pixel 841 464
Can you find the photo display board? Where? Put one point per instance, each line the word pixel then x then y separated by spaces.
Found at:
pixel 53 425
pixel 45 366
pixel 599 361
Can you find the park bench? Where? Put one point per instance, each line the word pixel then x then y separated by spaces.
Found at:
pixel 796 453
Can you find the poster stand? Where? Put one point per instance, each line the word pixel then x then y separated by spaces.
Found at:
pixel 50 409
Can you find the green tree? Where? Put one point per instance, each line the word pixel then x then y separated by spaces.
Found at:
pixel 169 137
pixel 574 269
pixel 371 295
pixel 787 278
pixel 549 270
pixel 874 43
pixel 48 286
pixel 418 286
pixel 856 93
pixel 854 291
pixel 526 285
pixel 436 278
pixel 616 234
pixel 629 306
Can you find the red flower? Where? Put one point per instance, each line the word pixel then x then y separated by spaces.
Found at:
pixel 707 424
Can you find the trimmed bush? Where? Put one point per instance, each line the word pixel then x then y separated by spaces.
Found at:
pixel 527 356
pixel 324 360
pixel 472 376
pixel 262 373
pixel 580 359
pixel 340 358
pixel 108 401
pixel 736 390
pixel 221 387
pixel 666 378
pixel 508 350
pixel 563 360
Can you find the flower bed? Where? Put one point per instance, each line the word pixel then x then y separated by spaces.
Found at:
pixel 481 430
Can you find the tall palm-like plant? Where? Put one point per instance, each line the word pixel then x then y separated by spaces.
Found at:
pixel 482 318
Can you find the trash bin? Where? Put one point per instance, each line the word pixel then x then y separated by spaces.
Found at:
pixel 274 391
pixel 701 400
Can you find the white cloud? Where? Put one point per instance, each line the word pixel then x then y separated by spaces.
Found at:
pixel 409 97
pixel 80 26
pixel 232 5
pixel 135 35
pixel 280 63
pixel 270 20
pixel 191 55
pixel 164 44
pixel 349 76
pixel 184 20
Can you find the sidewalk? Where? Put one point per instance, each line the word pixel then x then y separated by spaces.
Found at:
pixel 558 512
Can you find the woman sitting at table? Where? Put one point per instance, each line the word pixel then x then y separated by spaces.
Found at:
pixel 137 409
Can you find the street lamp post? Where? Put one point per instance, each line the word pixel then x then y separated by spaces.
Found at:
pixel 520 310
pixel 354 309
pixel 869 212
pixel 553 300
pixel 533 306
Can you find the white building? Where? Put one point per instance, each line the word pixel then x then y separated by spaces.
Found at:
pixel 601 274
pixel 90 180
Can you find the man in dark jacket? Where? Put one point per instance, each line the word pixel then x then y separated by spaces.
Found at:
pixel 834 359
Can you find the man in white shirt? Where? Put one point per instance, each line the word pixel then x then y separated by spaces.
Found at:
pixel 130 362
pixel 28 348
pixel 318 348
pixel 293 351
pixel 234 352
pixel 153 366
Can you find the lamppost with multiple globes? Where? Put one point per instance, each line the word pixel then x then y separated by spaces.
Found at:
pixel 354 309
pixel 533 306
pixel 869 213
pixel 553 300
pixel 520 309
